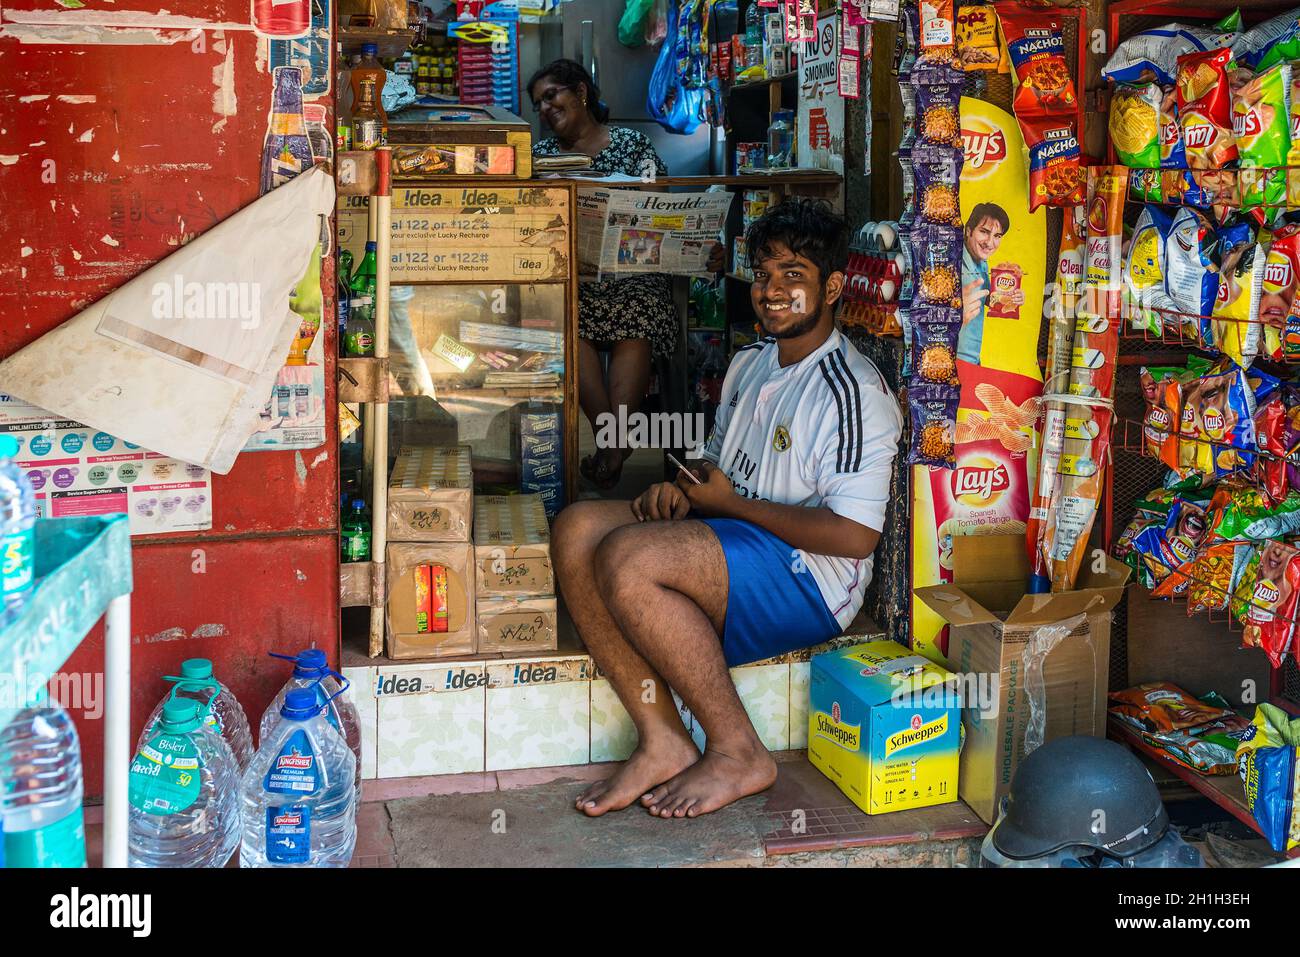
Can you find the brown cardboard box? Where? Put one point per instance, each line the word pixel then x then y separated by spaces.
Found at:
pixel 517 625
pixel 431 495
pixel 1050 655
pixel 405 639
pixel 512 547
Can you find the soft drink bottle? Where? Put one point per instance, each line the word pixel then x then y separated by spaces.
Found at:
pixel 17 533
pixel 184 792
pixel 221 710
pixel 311 670
pixel 356 533
pixel 300 793
pixel 41 789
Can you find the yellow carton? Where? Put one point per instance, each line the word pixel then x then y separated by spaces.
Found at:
pixel 885 725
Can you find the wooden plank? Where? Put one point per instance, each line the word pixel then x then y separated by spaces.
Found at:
pixel 363 379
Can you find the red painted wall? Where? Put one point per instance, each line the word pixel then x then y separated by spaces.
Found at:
pixel 113 153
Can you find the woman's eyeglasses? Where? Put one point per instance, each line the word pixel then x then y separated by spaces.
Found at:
pixel 548 97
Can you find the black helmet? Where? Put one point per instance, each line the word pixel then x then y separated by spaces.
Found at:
pixel 1079 791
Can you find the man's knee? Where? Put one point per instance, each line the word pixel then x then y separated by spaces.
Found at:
pixel 575 534
pixel 620 562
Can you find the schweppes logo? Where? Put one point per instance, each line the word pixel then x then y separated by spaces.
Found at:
pixel 918 733
pixel 847 736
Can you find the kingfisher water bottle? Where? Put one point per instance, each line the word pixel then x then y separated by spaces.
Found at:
pixel 299 792
pixel 221 710
pixel 17 533
pixel 41 789
pixel 311 670
pixel 183 794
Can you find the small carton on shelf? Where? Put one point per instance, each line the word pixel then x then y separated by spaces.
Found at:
pixel 431 494
pixel 512 547
pixel 430 605
pixel 1040 663
pixel 517 625
pixel 885 726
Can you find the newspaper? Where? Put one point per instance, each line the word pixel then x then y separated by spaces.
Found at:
pixel 629 231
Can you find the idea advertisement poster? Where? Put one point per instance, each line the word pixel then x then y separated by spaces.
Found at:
pixel 1004 272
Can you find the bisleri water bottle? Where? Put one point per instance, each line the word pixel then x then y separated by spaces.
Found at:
pixel 299 793
pixel 221 710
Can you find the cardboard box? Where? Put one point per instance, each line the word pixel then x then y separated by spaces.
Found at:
pixel 885 726
pixel 517 625
pixel 415 610
pixel 431 495
pixel 512 547
pixel 1034 660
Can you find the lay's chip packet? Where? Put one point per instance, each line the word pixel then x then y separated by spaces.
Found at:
pixel 1270 775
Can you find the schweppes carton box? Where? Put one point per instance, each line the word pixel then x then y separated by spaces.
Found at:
pixel 885 725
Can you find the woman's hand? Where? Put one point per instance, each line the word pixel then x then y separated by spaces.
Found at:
pixel 713 496
pixel 661 501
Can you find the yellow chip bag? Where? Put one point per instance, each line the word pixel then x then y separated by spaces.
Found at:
pixel 1236 306
pixel 1135 125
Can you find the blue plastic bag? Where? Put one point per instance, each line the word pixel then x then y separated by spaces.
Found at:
pixel 673 103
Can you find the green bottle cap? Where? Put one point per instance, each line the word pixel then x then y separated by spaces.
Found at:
pixel 196 669
pixel 180 715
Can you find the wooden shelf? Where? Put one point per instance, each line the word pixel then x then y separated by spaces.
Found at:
pixel 1223 789
pixel 759 84
pixel 363 380
pixel 391 43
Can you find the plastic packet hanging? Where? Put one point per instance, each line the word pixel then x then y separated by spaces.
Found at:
pixel 933 411
pixel 1055 168
pixel 1036 48
pixel 939 113
pixel 1281 330
pixel 1225 411
pixel 1158 426
pixel 1236 308
pixel 1191 273
pixel 1147 303
pixel 1153 54
pixel 1205 109
pixel 937 257
pixel 1211 582
pixel 1134 124
pixel 1173 155
pixel 934 348
pixel 938 176
pixel 1268 621
pixel 1276 40
pixel 1267 762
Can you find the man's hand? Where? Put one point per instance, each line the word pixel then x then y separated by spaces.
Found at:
pixel 663 500
pixel 972 300
pixel 713 495
pixel 717 258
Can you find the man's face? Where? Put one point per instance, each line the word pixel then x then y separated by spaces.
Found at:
pixel 983 240
pixel 787 293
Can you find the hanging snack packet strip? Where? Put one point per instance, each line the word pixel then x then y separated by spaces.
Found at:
pixel 1205 109
pixel 1055 171
pixel 1261 127
pixel 934 425
pixel 1083 460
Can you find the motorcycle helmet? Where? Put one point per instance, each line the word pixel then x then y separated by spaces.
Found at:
pixel 1083 794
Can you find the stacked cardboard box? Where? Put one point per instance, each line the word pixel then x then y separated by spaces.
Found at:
pixel 516 587
pixel 430 602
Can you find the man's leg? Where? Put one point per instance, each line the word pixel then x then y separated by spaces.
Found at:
pixel 664 748
pixel 665 585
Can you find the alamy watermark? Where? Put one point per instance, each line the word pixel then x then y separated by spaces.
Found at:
pixel 653 430
pixel 81 690
pixel 179 299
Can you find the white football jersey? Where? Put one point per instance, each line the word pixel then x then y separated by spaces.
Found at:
pixel 820 433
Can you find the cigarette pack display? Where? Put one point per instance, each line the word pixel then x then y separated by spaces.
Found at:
pixel 517 625
pixel 429 610
pixel 431 495
pixel 512 547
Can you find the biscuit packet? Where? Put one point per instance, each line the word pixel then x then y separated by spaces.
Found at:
pixel 1261 126
pixel 1205 109
pixel 1134 123
pixel 1236 307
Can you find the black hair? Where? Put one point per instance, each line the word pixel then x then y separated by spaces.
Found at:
pixel 808 228
pixel 572 74
pixel 988 211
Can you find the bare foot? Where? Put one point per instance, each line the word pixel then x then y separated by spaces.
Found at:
pixel 648 765
pixel 712 782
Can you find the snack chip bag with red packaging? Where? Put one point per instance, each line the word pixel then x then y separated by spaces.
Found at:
pixel 1036 47
pixel 1265 600
pixel 1281 329
pixel 1205 109
pixel 1055 170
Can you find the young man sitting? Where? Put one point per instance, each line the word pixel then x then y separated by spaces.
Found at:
pixel 770 552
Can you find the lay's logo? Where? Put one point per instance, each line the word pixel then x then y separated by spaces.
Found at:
pixel 983 147
pixel 1158 417
pixel 1169 133
pixel 1267 593
pixel 1181 548
pixel 1247 123
pixel 918 733
pixel 847 736
pixel 1277 273
pixel 1199 136
pixel 1213 420
pixel 980 483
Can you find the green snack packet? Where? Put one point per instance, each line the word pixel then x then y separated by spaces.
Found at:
pixel 1261 124
pixel 1135 124
pixel 1249 515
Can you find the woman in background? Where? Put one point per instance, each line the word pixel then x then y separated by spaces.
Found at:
pixel 635 315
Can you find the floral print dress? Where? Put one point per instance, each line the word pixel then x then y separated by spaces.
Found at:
pixel 633 307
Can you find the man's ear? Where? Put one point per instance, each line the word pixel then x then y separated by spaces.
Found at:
pixel 834 287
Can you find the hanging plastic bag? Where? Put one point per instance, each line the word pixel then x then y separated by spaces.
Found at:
pixel 631 28
pixel 669 101
pixel 656 24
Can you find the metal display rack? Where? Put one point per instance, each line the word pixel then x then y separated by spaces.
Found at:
pixel 83 572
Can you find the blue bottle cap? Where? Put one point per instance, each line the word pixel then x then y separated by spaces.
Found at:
pixel 309 663
pixel 300 704
pixel 370 48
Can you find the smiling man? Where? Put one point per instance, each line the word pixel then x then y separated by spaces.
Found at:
pixel 766 551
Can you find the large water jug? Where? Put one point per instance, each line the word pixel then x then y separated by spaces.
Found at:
pixel 40 790
pixel 299 793
pixel 184 793
pixel 311 670
pixel 221 710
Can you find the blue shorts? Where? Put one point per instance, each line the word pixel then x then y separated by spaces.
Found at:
pixel 771 608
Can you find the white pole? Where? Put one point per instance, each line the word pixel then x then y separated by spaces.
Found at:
pixel 382 205
pixel 117 727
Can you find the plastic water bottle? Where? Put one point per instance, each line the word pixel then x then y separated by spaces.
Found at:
pixel 41 789
pixel 17 533
pixel 311 670
pixel 221 710
pixel 299 794
pixel 184 793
